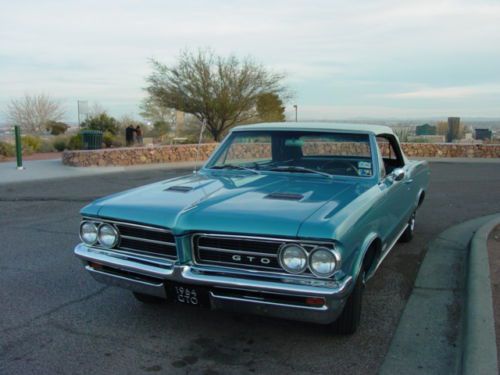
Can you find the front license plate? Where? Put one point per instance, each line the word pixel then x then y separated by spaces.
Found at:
pixel 190 295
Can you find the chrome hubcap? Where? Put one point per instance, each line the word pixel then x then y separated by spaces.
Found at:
pixel 412 223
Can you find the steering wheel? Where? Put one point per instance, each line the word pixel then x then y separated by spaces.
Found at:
pixel 349 165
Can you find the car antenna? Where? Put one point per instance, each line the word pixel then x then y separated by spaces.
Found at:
pixel 203 124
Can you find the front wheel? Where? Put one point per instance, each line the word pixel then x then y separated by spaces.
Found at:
pixel 348 322
pixel 408 233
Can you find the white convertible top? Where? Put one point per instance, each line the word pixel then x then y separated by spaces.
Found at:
pixel 318 126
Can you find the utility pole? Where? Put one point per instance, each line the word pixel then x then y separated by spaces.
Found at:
pixel 296 118
pixel 19 150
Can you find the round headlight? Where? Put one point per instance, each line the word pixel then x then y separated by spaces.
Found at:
pixel 88 232
pixel 108 236
pixel 293 258
pixel 322 262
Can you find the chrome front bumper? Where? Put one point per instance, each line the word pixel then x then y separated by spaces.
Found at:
pixel 141 275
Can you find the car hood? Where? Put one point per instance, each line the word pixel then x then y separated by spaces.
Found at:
pixel 262 204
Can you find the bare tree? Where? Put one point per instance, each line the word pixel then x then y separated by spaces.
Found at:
pixel 33 112
pixel 154 111
pixel 96 110
pixel 221 91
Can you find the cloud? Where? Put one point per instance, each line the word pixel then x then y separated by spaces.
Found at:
pixel 99 50
pixel 457 92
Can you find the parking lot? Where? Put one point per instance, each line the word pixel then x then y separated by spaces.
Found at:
pixel 55 319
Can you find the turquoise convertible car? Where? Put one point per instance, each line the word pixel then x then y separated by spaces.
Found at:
pixel 285 219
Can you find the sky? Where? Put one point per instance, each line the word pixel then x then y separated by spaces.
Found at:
pixel 343 59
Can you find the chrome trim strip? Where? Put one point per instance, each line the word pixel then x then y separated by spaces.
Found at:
pixel 385 253
pixel 140 286
pixel 155 256
pixel 148 240
pixel 103 219
pixel 265 255
pixel 207 268
pixel 264 302
pixel 120 261
pixel 339 290
pixel 263 239
pixel 241 264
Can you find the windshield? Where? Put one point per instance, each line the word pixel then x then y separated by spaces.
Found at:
pixel 324 153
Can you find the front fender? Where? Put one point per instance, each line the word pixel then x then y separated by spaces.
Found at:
pixel 358 261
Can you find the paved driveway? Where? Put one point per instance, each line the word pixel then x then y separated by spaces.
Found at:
pixel 54 319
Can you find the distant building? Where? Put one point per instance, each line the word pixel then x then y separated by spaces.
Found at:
pixel 483 134
pixel 425 129
pixel 453 128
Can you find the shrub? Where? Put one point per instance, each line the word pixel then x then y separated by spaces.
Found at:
pixel 46 146
pixel 31 144
pixel 101 122
pixel 60 144
pixel 117 142
pixel 56 127
pixel 7 149
pixel 107 139
pixel 75 142
pixel 111 140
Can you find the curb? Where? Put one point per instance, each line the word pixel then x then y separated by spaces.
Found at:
pixel 479 345
pixel 429 338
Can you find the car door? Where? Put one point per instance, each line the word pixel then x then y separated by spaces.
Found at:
pixel 396 192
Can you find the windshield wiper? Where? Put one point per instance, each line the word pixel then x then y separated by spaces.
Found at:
pixel 233 166
pixel 290 168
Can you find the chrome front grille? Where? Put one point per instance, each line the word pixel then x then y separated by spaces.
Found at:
pixel 146 240
pixel 241 251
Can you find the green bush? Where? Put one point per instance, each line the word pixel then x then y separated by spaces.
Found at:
pixel 111 140
pixel 7 149
pixel 60 144
pixel 31 144
pixel 75 142
pixel 101 122
pixel 56 127
pixel 46 146
pixel 118 142
pixel 107 139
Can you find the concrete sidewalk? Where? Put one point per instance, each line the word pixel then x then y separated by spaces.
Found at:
pixel 429 336
pixel 49 169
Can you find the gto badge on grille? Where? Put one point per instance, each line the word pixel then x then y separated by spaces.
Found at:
pixel 250 259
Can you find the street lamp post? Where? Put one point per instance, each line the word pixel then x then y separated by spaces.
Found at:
pixel 295 106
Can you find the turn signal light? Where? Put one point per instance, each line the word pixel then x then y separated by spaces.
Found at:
pixel 315 301
pixel 95 266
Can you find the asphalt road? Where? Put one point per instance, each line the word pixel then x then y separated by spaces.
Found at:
pixel 55 319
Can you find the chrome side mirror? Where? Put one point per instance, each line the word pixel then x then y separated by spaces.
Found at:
pixel 398 174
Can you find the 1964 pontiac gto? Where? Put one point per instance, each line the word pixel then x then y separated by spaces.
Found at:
pixel 284 219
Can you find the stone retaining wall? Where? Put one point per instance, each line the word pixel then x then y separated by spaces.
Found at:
pixel 136 155
pixel 451 150
pixel 176 153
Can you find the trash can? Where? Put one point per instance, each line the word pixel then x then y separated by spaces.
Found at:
pixel 92 139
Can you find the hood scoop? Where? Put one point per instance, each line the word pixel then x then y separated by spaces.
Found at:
pixel 179 189
pixel 285 196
